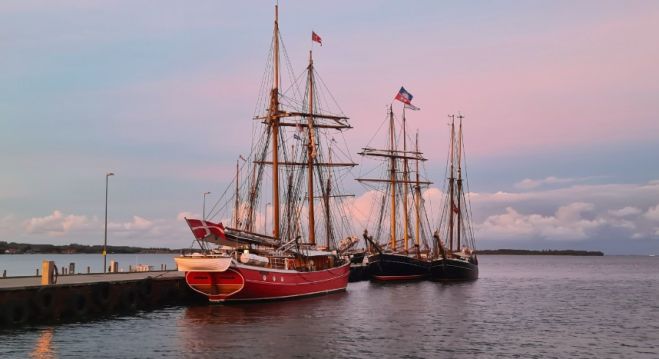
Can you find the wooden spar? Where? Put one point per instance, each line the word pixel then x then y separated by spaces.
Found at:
pixel 391 154
pixel 388 181
pixel 450 186
pixel 406 179
pixel 237 209
pixel 393 181
pixel 417 202
pixel 315 164
pixel 274 121
pixel 311 154
pixel 283 114
pixel 459 180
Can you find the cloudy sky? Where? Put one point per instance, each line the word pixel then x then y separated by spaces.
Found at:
pixel 561 100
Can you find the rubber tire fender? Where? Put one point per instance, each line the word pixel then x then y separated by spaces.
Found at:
pixel 101 295
pixel 15 313
pixel 79 304
pixel 44 301
pixel 129 298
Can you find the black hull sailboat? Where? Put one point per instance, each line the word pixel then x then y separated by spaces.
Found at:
pixel 453 269
pixel 458 262
pixel 406 255
pixel 397 267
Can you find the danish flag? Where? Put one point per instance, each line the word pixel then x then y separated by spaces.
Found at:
pixel 203 229
pixel 316 38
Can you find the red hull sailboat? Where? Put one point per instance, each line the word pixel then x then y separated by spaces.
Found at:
pixel 243 283
pixel 296 142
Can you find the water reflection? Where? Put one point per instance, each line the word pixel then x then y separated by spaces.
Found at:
pixel 270 329
pixel 43 349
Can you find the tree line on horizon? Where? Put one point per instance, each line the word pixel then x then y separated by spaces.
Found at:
pixel 28 248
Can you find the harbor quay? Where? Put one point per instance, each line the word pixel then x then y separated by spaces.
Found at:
pixel 49 299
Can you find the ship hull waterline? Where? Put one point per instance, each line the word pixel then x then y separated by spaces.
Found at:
pixel 389 267
pixel 241 283
pixel 453 270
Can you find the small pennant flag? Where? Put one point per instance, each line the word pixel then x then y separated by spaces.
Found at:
pixel 412 107
pixel 316 38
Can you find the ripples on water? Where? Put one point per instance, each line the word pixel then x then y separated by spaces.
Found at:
pixel 522 306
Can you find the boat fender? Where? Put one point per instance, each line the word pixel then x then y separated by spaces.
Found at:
pixel 129 299
pixel 146 288
pixel 80 304
pixel 101 295
pixel 15 313
pixel 44 300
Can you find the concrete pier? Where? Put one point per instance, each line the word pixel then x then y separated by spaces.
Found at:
pixel 24 300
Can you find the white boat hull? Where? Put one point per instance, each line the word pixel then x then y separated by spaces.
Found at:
pixel 203 263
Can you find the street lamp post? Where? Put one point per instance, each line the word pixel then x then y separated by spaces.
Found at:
pixel 105 237
pixel 204 209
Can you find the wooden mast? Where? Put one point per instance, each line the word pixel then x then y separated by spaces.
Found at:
pixel 328 189
pixel 417 200
pixel 249 225
pixel 274 122
pixel 237 205
pixel 392 180
pixel 450 186
pixel 289 205
pixel 311 154
pixel 405 185
pixel 459 181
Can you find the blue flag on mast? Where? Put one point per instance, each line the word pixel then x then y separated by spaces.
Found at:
pixel 406 98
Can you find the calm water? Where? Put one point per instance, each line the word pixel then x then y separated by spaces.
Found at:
pixel 529 307
pixel 26 264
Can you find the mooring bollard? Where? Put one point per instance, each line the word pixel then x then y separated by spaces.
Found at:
pixel 88 270
pixel 130 268
pixel 48 272
pixel 114 266
pixel 72 268
pixel 4 273
pixel 37 272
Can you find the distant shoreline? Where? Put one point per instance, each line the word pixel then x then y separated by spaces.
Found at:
pixel 544 252
pixel 26 248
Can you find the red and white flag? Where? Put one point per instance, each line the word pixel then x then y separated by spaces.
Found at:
pixel 203 229
pixel 316 38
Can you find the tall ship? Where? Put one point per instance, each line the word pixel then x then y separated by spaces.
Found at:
pixel 398 246
pixel 456 256
pixel 286 239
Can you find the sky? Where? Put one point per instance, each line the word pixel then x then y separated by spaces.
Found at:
pixel 560 98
